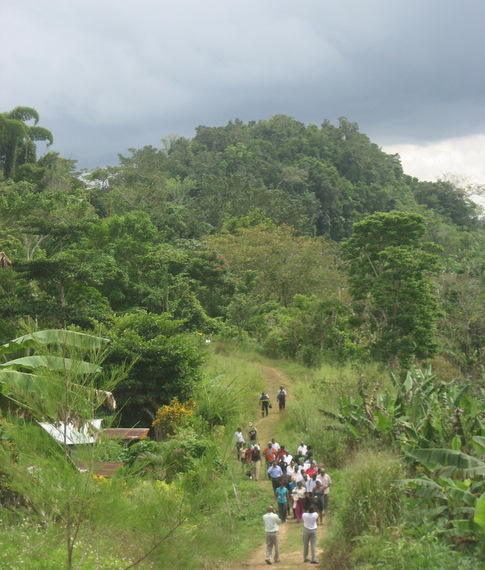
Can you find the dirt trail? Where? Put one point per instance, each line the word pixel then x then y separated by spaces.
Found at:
pixel 291 556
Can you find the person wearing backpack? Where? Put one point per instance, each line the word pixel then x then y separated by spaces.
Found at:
pixel 281 396
pixel 264 401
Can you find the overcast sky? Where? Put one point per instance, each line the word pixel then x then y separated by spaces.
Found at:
pixel 106 75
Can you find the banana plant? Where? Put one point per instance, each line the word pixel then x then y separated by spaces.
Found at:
pixel 55 359
pixel 422 413
pixel 458 488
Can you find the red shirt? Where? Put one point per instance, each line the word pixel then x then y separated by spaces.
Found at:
pixel 270 455
pixel 280 454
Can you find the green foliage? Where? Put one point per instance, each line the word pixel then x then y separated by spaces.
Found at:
pixel 422 412
pixel 220 399
pixel 414 547
pixel 286 264
pixel 389 270
pixel 371 501
pixel 312 329
pixel 54 382
pixel 165 361
pixel 17 138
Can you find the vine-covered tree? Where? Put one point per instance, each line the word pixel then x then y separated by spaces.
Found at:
pixel 389 271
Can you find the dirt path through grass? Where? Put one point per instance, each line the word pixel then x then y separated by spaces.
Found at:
pixel 290 533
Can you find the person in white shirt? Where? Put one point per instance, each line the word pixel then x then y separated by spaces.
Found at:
pixel 310 484
pixel 302 450
pixel 288 458
pixel 271 521
pixel 299 496
pixel 325 480
pixel 239 439
pixel 292 469
pixel 276 446
pixel 301 476
pixel 310 533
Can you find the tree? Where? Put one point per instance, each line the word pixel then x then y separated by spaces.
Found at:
pixel 17 138
pixel 166 364
pixel 286 264
pixel 389 275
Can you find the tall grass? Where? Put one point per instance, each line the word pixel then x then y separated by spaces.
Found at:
pixel 331 382
pixel 369 501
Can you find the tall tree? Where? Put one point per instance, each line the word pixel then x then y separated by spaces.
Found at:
pixel 17 138
pixel 389 271
pixel 286 264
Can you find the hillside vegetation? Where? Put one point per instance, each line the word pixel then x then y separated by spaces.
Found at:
pixel 274 239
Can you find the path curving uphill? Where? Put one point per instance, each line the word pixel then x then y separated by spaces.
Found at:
pixel 291 556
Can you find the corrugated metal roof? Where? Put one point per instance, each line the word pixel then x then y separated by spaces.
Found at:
pixel 73 435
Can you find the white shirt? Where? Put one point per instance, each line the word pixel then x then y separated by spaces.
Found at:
pixel 310 520
pixel 310 484
pixel 271 521
pixel 291 471
pixel 276 446
pixel 287 458
pixel 299 476
pixel 300 492
pixel 302 449
pixel 239 436
pixel 326 482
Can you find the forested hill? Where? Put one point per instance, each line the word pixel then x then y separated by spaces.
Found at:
pixel 319 180
pixel 306 240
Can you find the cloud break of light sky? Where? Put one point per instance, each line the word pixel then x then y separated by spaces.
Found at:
pixel 107 75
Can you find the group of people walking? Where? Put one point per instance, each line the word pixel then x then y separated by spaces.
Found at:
pixel 265 401
pixel 301 488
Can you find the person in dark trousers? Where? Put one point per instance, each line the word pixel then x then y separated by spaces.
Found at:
pixel 282 497
pixel 275 475
pixel 281 396
pixel 264 401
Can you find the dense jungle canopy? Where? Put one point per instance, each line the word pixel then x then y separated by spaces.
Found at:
pixel 307 241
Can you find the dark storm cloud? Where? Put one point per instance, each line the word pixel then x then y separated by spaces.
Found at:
pixel 106 75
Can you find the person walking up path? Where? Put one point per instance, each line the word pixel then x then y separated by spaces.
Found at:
pixel 310 534
pixel 271 521
pixel 264 402
pixel 281 396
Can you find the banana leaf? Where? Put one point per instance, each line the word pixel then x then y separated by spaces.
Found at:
pixel 54 336
pixel 51 363
pixel 447 461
